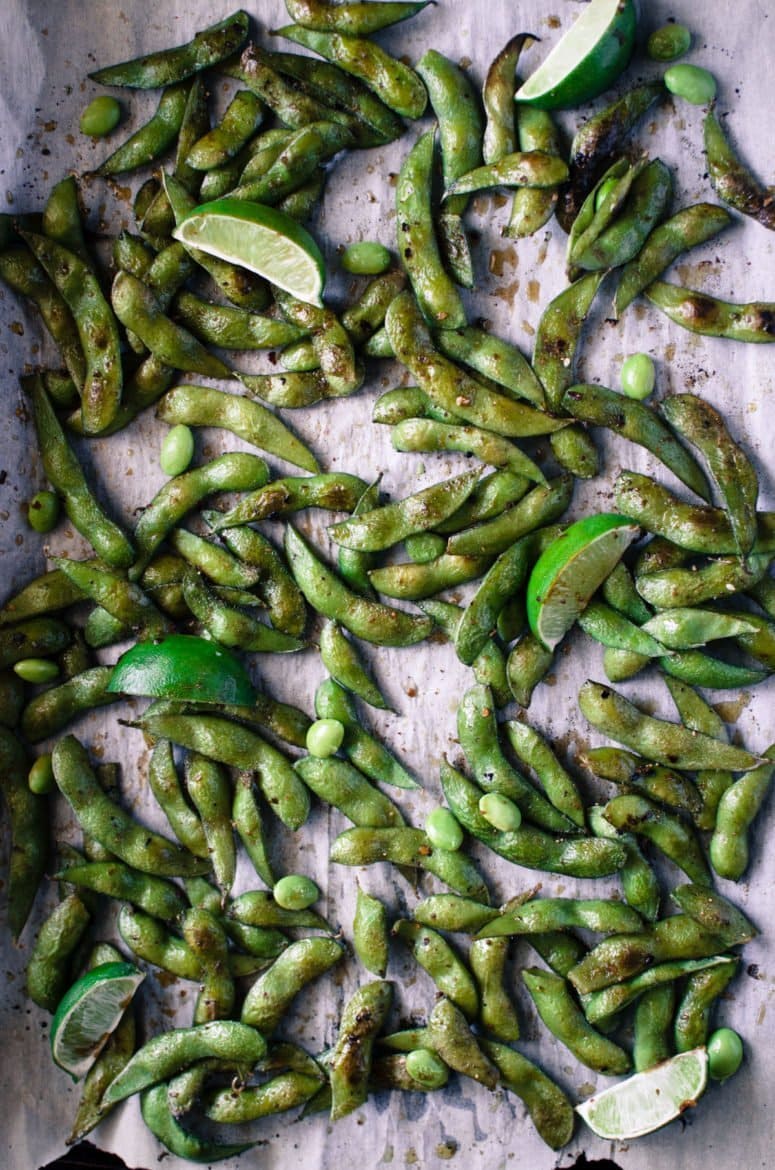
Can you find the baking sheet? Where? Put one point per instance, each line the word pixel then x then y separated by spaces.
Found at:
pixel 46 51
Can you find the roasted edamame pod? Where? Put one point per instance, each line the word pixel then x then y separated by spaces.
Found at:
pixel 564 1018
pixel 731 179
pixel 27 814
pixel 268 998
pixel 206 49
pixel 350 1065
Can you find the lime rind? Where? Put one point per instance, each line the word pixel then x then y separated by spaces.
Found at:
pixel 260 238
pixel 648 1100
pixel 571 569
pixel 183 666
pixel 586 60
pixel 88 1013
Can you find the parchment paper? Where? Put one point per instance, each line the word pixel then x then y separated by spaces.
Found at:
pixel 46 51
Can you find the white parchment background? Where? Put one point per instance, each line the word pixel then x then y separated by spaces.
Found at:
pixel 46 51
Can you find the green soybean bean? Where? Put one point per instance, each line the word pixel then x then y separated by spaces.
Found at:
pixel 437 297
pixel 442 829
pixel 540 915
pixel 489 666
pixel 477 731
pixel 208 48
pixel 620 957
pixel 425 1068
pixel 238 747
pixel 177 450
pixel 558 336
pixel 730 468
pixel 723 575
pixel 366 258
pixel 700 313
pixel 436 956
pixel 36 670
pixel 396 84
pixel 97 330
pixel 558 785
pixel 450 1036
pixel 103 819
pixel 527 664
pixel 235 471
pixel 51 710
pixel 417 434
pixel 342 661
pixel 737 809
pixel 541 506
pixel 43 511
pixel 101 116
pixel 692 83
pixel 165 1054
pixel 362 1018
pixel 47 974
pixel 115 879
pixel 363 750
pixel 601 1005
pixel 638 376
pixel 668 240
pixel 389 524
pixel 565 1020
pixel 27 814
pixel 345 788
pixel 549 1108
pixel 497 1014
pixel 371 936
pixel 599 406
pixel 209 789
pixel 336 491
pixel 732 181
pixel 166 1128
pixel 532 848
pixel 657 739
pixel 153 138
pixel 405 846
pixel 324 738
pixel 501 812
pixel 330 596
pixel 703 988
pixel 639 815
pixel 725 1053
pixel 652 1026
pixel 269 997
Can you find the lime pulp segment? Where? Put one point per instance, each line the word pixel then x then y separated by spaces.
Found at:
pixel 89 1012
pixel 648 1100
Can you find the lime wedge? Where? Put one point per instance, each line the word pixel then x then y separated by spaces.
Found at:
pixel 183 666
pixel 586 60
pixel 261 239
pixel 88 1012
pixel 649 1099
pixel 570 570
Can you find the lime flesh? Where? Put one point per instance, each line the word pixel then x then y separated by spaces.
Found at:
pixel 89 1012
pixel 183 666
pixel 648 1100
pixel 586 60
pixel 262 239
pixel 568 572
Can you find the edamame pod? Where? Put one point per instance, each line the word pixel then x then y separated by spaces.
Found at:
pixel 208 48
pixel 565 1020
pixel 737 809
pixel 365 751
pixel 152 139
pixel 731 179
pixel 637 814
pixel 550 1109
pixel 268 998
pixel 406 846
pixel 357 19
pixel 27 814
pixel 337 491
pixel 48 966
pixel 350 1065
pixel 436 956
pixel 700 313
pixel 342 661
pixel 371 935
pixel 539 915
pixel 345 788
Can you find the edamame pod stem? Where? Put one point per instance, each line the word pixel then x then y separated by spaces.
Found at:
pixel 27 815
pixel 165 1055
pixel 138 309
pixel 396 84
pixel 97 330
pixel 565 1020
pixel 667 743
pixel 667 241
pixel 540 915
pixel 234 471
pixel 268 998
pixel 532 848
pixel 238 747
pixel 530 168
pixel 154 70
pixel 633 420
pixel 637 814
pixel 437 297
pixel 345 788
pixel 700 313
pixel 335 490
pixel 622 956
pixel 154 138
pixel 731 470
pixel 363 1016
pixel 456 106
pixel 698 529
pixel 549 1108
pixel 731 179
pixel 354 18
pixel 108 823
pixel 389 524
pixel 558 335
pixel 328 595
pixel 406 846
